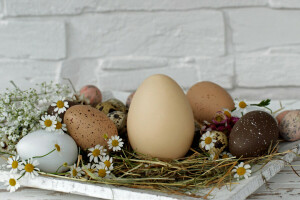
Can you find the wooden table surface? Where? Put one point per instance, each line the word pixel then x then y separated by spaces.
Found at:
pixel 284 185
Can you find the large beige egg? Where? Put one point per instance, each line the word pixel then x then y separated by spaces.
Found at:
pixel 160 120
pixel 207 98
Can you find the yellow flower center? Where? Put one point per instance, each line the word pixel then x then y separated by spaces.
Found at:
pixel 115 143
pixel 29 168
pixel 107 163
pixel 58 125
pixel 219 118
pixel 12 182
pixel 241 171
pixel 102 173
pixel 225 156
pixel 227 113
pixel 74 172
pixel 14 164
pixel 96 152
pixel 242 104
pixel 57 147
pixel 48 122
pixel 60 104
pixel 208 140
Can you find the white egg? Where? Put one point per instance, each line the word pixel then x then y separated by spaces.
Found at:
pixel 41 142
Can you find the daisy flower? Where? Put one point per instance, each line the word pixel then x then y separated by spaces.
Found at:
pixel 242 170
pixel 29 168
pixel 91 167
pixel 115 143
pixel 241 106
pixel 48 122
pixel 96 153
pixel 102 170
pixel 12 183
pixel 60 106
pixel 108 162
pixel 225 154
pixel 76 172
pixel 14 164
pixel 59 125
pixel 207 140
pixel 227 112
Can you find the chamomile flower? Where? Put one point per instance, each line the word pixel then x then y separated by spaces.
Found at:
pixel 61 127
pixel 14 164
pixel 29 168
pixel 60 106
pixel 102 170
pixel 207 140
pixel 241 106
pixel 48 122
pixel 225 154
pixel 108 162
pixel 76 172
pixel 227 112
pixel 96 153
pixel 242 171
pixel 91 167
pixel 12 183
pixel 115 143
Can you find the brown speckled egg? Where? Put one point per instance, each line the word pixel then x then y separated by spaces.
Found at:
pixel 220 144
pixel 111 105
pixel 106 107
pixel 50 110
pixel 87 126
pixel 129 99
pixel 118 104
pixel 253 134
pixel 290 126
pixel 92 93
pixel 207 98
pixel 119 118
pixel 281 115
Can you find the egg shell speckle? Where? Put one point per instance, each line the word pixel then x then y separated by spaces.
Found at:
pixel 252 135
pixel 220 144
pixel 290 126
pixel 87 126
pixel 207 98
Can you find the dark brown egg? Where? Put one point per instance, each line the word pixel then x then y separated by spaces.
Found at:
pixel 252 135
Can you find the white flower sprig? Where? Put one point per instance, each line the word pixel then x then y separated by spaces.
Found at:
pixel 20 111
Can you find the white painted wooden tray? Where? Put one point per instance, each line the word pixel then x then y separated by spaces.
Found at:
pixel 237 191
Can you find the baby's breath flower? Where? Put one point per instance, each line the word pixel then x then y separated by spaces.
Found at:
pixel 115 143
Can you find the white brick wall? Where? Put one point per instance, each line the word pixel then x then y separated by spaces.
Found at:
pixel 250 47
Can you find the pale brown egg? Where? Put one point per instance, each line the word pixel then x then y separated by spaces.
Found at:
pixel 160 120
pixel 207 98
pixel 88 126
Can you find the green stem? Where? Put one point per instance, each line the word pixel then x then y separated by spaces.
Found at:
pixel 59 168
pixel 13 83
pixel 44 155
pixel 6 153
pixel 21 176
